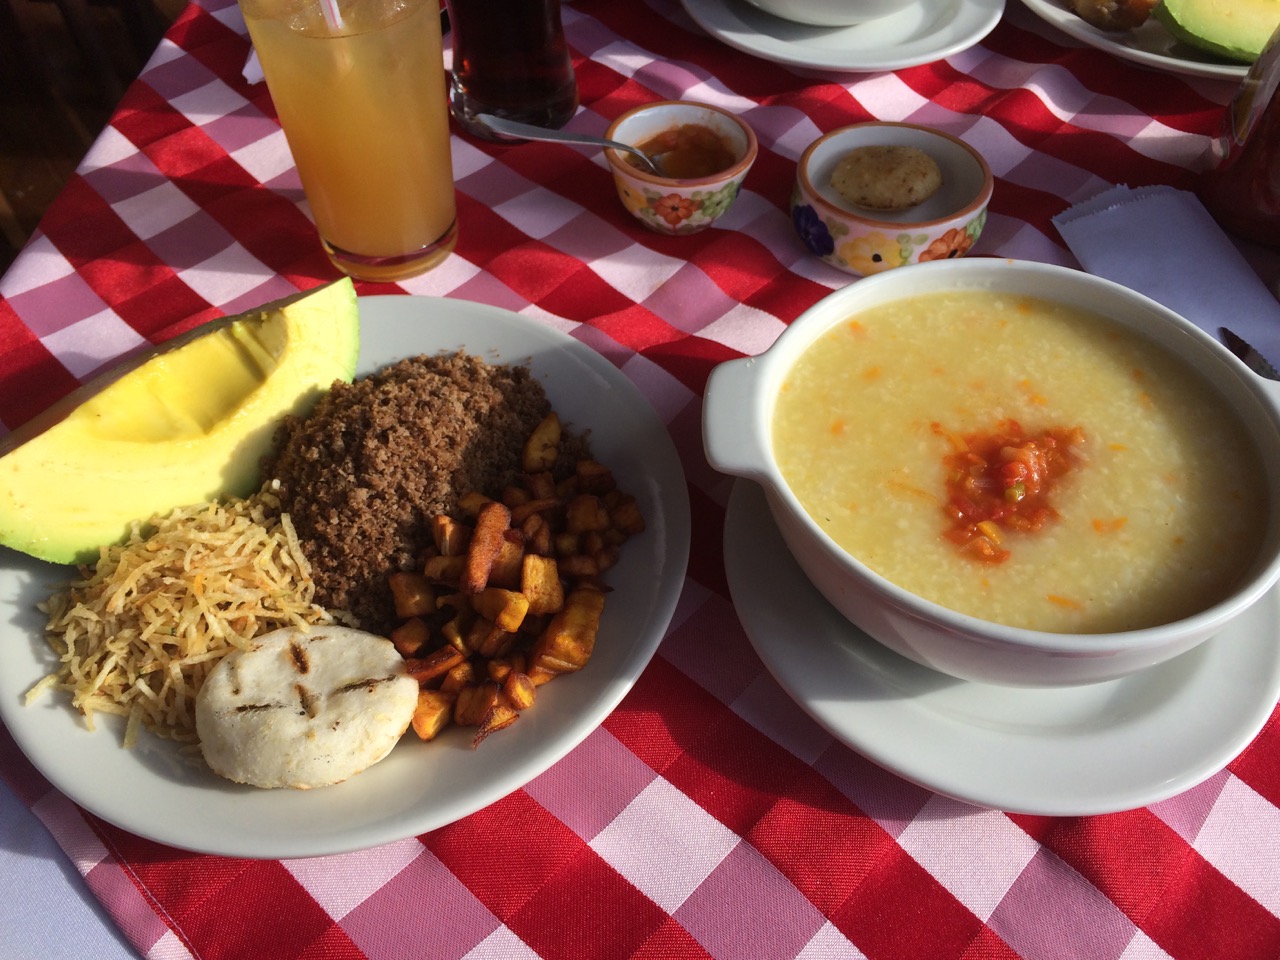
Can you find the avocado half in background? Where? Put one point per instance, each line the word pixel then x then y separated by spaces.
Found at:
pixel 184 423
pixel 1236 30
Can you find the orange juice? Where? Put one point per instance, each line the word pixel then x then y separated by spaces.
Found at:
pixel 364 109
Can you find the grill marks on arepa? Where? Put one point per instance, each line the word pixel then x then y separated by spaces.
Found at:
pixel 308 700
pixel 299 654
pixel 304 709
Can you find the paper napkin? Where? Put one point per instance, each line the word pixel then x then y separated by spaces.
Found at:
pixel 1162 242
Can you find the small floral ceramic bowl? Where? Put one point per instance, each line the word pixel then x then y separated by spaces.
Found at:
pixel 862 241
pixel 680 205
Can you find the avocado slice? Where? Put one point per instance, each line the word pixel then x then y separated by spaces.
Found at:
pixel 181 424
pixel 1233 29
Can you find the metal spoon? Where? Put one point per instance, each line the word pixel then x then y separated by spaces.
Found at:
pixel 511 130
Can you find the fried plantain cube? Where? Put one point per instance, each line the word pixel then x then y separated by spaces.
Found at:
pixel 487 639
pixel 506 608
pixel 435 664
pixel 474 703
pixel 519 690
pixel 584 513
pixel 507 565
pixel 606 557
pixel 455 635
pixel 445 569
pixel 449 536
pixel 540 584
pixel 625 515
pixel 514 495
pixel 432 713
pixel 459 678
pixel 541 485
pixel 540 675
pixel 566 544
pixel 409 637
pixel 569 640
pixel 594 477
pixel 471 503
pixel 500 716
pixel 579 565
pixel 542 448
pixel 537 535
pixel 499 667
pixel 529 508
pixel 412 594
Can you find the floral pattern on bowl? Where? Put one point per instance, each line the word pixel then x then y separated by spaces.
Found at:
pixel 865 242
pixel 677 211
pixel 867 253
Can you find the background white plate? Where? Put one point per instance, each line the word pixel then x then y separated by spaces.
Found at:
pixel 420 786
pixel 928 31
pixel 1071 751
pixel 1150 44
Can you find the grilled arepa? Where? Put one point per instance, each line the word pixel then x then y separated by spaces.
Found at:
pixel 304 708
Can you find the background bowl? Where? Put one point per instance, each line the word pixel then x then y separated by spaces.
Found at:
pixel 737 422
pixel 863 242
pixel 670 205
pixel 831 13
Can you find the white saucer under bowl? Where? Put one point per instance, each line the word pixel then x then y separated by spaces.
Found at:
pixel 928 31
pixel 1066 751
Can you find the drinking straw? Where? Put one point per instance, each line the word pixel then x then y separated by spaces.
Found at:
pixel 332 15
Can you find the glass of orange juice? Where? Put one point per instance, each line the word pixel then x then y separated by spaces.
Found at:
pixel 359 86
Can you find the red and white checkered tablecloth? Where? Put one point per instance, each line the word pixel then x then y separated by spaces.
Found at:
pixel 708 816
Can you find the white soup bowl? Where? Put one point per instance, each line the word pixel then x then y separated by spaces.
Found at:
pixel 737 421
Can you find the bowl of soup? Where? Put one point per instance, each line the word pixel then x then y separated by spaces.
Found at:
pixel 1011 472
pixel 703 151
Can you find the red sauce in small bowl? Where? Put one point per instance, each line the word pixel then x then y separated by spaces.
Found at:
pixel 689 151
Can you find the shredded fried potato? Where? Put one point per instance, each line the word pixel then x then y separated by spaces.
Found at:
pixel 138 633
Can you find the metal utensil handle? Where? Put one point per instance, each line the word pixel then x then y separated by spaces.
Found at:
pixel 526 131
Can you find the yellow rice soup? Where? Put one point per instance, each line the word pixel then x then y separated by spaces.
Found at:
pixel 1160 506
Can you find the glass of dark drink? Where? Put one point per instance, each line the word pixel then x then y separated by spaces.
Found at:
pixel 510 60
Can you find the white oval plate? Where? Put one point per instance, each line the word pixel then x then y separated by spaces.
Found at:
pixel 1071 751
pixel 1150 44
pixel 150 791
pixel 928 31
